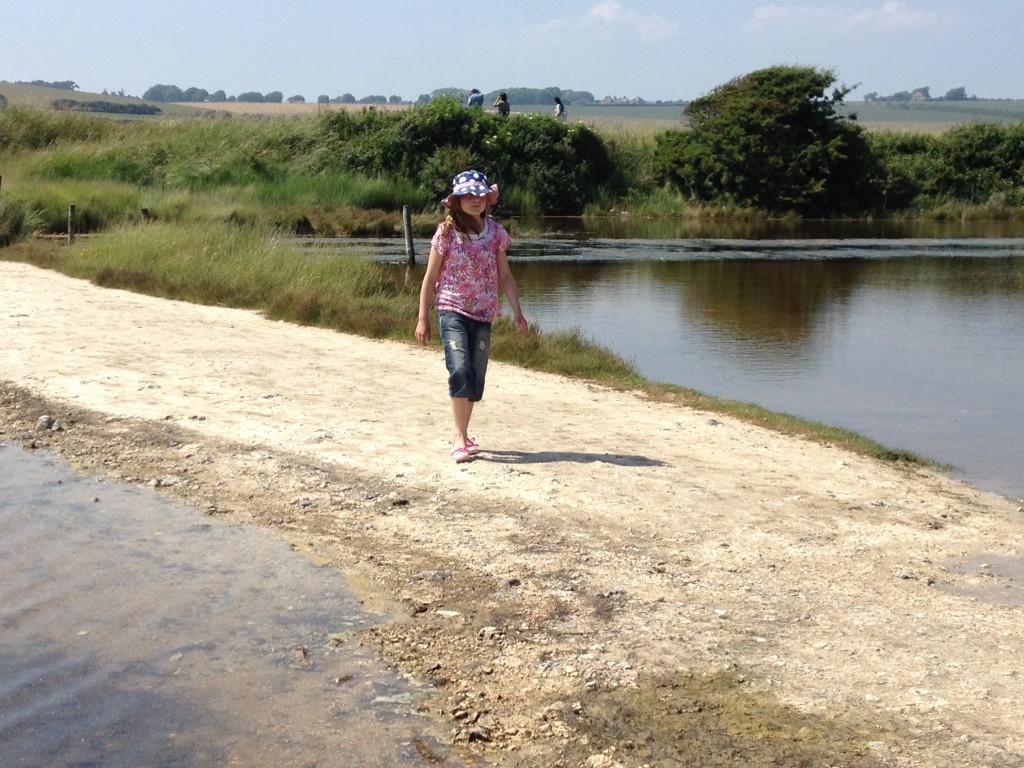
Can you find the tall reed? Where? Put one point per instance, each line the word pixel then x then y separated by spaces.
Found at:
pixel 245 267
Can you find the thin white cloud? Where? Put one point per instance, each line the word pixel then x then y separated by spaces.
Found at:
pixel 618 17
pixel 552 27
pixel 610 18
pixel 892 16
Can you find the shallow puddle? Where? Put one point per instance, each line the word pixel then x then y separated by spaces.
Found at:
pixel 991 578
pixel 137 632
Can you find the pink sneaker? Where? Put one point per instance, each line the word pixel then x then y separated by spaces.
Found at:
pixel 461 454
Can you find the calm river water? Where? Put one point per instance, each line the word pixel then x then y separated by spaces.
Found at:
pixel 910 334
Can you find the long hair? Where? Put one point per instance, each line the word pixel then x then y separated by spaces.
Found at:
pixel 460 220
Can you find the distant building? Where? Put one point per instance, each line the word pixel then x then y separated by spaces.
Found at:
pixel 622 101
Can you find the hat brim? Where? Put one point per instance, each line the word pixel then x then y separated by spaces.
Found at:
pixel 491 195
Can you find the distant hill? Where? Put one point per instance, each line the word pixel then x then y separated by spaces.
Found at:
pixel 43 97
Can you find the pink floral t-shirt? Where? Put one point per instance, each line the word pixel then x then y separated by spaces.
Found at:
pixel 468 282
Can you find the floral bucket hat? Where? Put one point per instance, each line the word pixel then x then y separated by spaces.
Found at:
pixel 472 183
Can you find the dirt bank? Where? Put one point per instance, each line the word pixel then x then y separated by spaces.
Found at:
pixel 614 582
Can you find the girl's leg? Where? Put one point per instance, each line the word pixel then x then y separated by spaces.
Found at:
pixel 479 353
pixel 459 335
pixel 462 412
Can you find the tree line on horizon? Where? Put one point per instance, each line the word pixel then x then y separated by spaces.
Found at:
pixel 516 95
pixel 174 94
pixel 923 94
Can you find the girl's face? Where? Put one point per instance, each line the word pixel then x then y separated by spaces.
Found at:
pixel 473 205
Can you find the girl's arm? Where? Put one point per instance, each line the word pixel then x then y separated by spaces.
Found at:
pixel 511 290
pixel 427 296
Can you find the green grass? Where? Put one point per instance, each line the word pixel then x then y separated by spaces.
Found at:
pixel 933 116
pixel 248 267
pixel 98 204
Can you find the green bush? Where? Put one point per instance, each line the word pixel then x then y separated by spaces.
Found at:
pixel 560 167
pixel 772 140
pixel 106 106
pixel 981 161
pixel 907 169
pixel 978 164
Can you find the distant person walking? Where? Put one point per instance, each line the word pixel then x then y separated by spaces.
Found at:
pixel 475 99
pixel 467 271
pixel 560 111
pixel 501 104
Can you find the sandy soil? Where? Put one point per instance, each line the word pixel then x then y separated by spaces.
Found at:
pixel 614 582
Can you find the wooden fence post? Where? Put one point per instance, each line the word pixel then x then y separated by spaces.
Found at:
pixel 71 223
pixel 407 226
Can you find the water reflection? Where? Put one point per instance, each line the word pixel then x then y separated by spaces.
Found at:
pixel 605 250
pixel 637 228
pixel 768 301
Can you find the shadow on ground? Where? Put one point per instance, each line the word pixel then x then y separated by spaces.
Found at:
pixel 554 457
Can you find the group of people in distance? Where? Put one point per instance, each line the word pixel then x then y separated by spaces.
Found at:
pixel 476 99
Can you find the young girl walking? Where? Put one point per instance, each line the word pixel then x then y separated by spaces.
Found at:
pixel 467 271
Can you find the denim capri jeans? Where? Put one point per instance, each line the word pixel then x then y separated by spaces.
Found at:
pixel 467 347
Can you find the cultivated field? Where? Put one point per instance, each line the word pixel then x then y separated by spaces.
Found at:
pixel 922 117
pixel 909 117
pixel 290 110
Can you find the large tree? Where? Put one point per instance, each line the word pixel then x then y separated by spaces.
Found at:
pixel 772 140
pixel 161 92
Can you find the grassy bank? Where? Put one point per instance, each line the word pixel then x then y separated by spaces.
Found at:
pixel 248 267
pixel 339 173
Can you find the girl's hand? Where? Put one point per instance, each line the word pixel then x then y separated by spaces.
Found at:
pixel 423 332
pixel 522 325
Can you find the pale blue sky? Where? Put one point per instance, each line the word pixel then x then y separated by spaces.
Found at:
pixel 655 49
